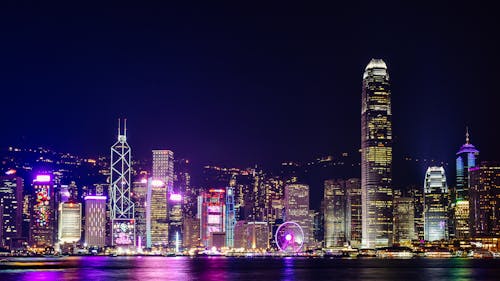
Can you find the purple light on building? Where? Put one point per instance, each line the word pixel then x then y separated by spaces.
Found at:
pixel 175 197
pixel 42 178
pixel 95 197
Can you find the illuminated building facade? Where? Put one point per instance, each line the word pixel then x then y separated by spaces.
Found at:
pixel 42 216
pixel 212 214
pixel 175 235
pixel 157 202
pixel 230 217
pixel 484 199
pixel 121 205
pixel 251 235
pixel 163 167
pixel 353 186
pixel 297 208
pixel 404 220
pixel 376 156
pixel 336 213
pixel 70 222
pixel 466 159
pixel 139 196
pixel 11 208
pixel 191 233
pixel 95 220
pixel 436 200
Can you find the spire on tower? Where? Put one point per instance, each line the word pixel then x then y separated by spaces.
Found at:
pixel 125 127
pixel 467 134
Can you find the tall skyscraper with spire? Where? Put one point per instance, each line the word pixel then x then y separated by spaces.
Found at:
pixel 466 159
pixel 376 156
pixel 121 205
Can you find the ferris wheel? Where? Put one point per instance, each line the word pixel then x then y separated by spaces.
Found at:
pixel 289 237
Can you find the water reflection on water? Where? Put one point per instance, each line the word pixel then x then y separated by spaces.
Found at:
pixel 240 269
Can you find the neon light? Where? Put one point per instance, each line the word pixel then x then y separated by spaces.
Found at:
pixel 288 237
pixel 95 197
pixel 217 190
pixel 42 178
pixel 144 181
pixel 175 197
pixel 10 172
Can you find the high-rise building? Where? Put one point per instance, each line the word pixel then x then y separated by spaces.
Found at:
pixel 121 205
pixel 70 222
pixel 212 211
pixel 139 196
pixel 297 209
pixel 353 187
pixel 436 200
pixel 163 167
pixel 230 217
pixel 163 182
pixel 404 223
pixel 251 235
pixel 95 220
pixel 175 235
pixel 191 233
pixel 42 217
pixel 336 213
pixel 11 208
pixel 466 159
pixel 376 156
pixel 484 199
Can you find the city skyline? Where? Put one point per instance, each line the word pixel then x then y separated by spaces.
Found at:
pixel 258 90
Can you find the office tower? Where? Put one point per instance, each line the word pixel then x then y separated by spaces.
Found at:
pixel 297 208
pixel 484 198
pixel 435 205
pixel 191 233
pixel 251 235
pixel 212 215
pixel 163 179
pixel 42 216
pixel 417 194
pixel 376 156
pixel 157 202
pixel 163 167
pixel 95 220
pixel 11 209
pixel 336 213
pixel 230 217
pixel 353 187
pixel 70 222
pixel 466 159
pixel 121 205
pixel 404 223
pixel 139 197
pixel 175 221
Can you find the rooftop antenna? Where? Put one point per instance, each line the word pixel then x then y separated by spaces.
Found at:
pixel 125 126
pixel 467 134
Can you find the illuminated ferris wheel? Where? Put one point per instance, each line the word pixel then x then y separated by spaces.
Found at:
pixel 289 237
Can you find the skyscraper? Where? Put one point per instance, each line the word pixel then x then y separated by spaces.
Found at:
pixel 212 205
pixel 95 221
pixel 162 186
pixel 139 196
pixel 376 156
pixel 484 198
pixel 297 208
pixel 70 222
pixel 336 213
pixel 404 220
pixel 11 208
pixel 121 205
pixel 42 217
pixel 466 159
pixel 435 204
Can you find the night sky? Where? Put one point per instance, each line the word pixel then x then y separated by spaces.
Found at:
pixel 237 84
